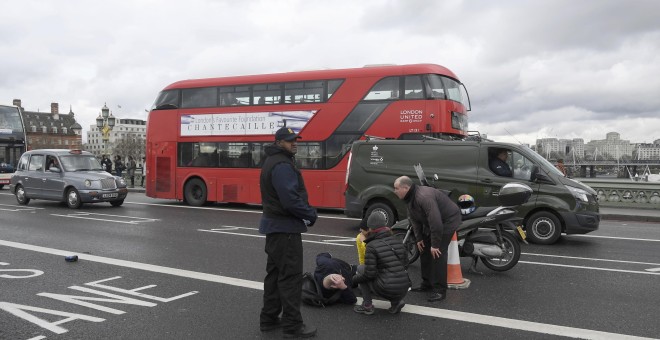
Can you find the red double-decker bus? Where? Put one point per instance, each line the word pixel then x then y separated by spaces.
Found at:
pixel 205 137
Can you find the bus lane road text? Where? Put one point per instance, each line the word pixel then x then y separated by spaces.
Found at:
pixel 96 295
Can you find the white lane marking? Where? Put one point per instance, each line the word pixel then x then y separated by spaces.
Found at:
pixel 222 231
pixel 616 238
pixel 131 217
pixel 232 210
pixel 591 268
pixel 653 269
pixel 137 265
pixel 487 320
pixel 591 259
pixel 16 208
pixel 96 219
pixel 90 216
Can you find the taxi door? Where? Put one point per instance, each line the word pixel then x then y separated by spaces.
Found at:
pixel 53 180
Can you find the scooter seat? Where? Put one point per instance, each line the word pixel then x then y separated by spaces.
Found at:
pixel 479 212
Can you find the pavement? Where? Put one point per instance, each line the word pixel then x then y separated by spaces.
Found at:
pixel 606 213
pixel 630 214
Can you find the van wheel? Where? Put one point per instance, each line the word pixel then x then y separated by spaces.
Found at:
pixel 195 192
pixel 384 208
pixel 543 228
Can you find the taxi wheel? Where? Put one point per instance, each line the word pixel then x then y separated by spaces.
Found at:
pixel 20 196
pixel 73 199
pixel 117 203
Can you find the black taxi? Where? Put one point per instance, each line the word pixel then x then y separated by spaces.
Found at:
pixel 71 176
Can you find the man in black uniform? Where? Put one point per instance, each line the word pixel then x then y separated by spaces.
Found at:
pixel 286 214
pixel 499 165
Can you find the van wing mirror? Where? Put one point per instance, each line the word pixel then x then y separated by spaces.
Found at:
pixel 540 177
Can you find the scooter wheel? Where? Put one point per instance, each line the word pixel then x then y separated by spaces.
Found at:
pixel 410 245
pixel 510 256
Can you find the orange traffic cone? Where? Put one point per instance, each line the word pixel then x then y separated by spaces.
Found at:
pixel 455 278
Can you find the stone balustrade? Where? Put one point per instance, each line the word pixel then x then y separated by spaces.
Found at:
pixel 625 193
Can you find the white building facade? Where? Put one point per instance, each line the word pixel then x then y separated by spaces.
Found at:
pixel 124 129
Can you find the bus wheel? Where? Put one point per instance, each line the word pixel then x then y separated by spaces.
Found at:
pixel 384 208
pixel 543 228
pixel 195 192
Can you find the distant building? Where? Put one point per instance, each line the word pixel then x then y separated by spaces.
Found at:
pixel 51 130
pixel 610 147
pixel 547 147
pixel 648 150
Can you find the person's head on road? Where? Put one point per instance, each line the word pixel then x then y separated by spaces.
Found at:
pixel 402 185
pixel 287 139
pixel 334 281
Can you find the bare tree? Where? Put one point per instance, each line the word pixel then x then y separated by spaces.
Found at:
pixel 132 145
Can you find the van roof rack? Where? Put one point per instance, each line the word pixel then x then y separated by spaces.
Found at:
pixel 370 137
pixel 476 136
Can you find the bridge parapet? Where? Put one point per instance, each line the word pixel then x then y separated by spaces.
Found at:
pixel 625 193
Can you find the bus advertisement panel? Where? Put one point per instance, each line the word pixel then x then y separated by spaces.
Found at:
pixel 205 137
pixel 12 141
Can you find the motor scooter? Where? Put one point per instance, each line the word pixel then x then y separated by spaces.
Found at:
pixel 483 234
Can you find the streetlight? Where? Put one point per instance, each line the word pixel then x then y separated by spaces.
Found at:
pixel 105 122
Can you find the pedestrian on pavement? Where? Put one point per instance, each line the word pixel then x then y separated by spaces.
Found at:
pixel 384 270
pixel 144 171
pixel 119 166
pixel 335 274
pixel 560 166
pixel 286 214
pixel 107 164
pixel 434 218
pixel 131 170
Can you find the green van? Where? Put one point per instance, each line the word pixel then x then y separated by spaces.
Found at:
pixel 559 204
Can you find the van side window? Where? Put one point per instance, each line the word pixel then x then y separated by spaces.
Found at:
pixel 499 162
pixel 522 167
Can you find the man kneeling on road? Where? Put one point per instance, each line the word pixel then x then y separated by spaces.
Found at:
pixel 384 270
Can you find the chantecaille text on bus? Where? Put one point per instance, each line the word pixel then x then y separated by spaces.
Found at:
pixel 250 123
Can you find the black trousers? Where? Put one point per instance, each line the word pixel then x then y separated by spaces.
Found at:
pixel 434 271
pixel 283 282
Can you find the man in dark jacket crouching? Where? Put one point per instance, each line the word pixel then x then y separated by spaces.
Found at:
pixel 384 270
pixel 434 218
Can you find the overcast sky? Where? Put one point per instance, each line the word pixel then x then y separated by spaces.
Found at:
pixel 533 69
